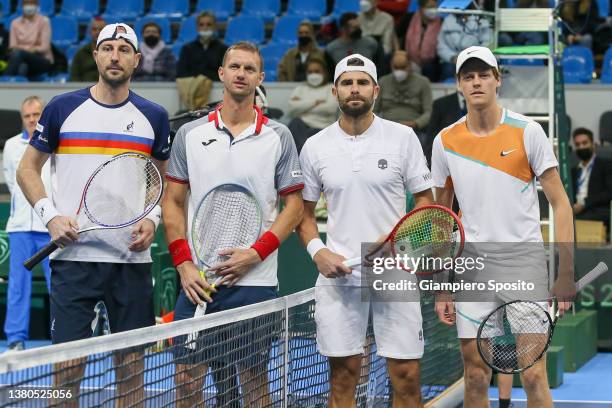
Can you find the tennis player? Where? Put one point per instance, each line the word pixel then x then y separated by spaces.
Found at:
pixel 364 166
pixel 80 130
pixel 490 159
pixel 237 144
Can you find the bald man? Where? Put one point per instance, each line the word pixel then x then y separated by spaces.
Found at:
pixel 405 96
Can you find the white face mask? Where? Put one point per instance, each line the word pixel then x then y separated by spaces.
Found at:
pixel 400 74
pixel 314 79
pixel 206 34
pixel 30 9
pixel 365 6
pixel 430 13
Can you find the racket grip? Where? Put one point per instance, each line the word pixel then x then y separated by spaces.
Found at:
pixel 352 262
pixel 600 269
pixel 40 255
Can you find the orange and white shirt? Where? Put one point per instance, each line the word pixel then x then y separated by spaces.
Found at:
pixel 494 177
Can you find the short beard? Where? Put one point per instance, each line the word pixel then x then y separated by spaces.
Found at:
pixel 358 111
pixel 114 82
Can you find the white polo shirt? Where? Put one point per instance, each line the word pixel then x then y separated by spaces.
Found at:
pixel 364 180
pixel 263 158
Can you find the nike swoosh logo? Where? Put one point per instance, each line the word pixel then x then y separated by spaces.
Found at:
pixel 471 52
pixel 505 153
pixel 209 142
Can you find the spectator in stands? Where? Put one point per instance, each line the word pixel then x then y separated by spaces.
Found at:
pixel 458 33
pixel 30 43
pixel 351 41
pixel 422 38
pixel 405 96
pixel 292 67
pixel 377 24
pixel 312 105
pixel 592 180
pixel 580 21
pixel 446 111
pixel 157 62
pixel 26 232
pixel 204 55
pixel 83 67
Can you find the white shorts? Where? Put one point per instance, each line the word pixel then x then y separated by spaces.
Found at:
pixel 342 322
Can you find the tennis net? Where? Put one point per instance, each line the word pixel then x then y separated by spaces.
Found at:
pixel 255 356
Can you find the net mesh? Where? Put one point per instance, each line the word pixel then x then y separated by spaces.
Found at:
pixel 122 190
pixel 515 336
pixel 261 355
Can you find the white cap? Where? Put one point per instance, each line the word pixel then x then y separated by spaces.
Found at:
pixel 116 31
pixel 368 67
pixel 482 53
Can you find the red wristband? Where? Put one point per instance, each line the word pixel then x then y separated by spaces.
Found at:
pixel 179 251
pixel 266 244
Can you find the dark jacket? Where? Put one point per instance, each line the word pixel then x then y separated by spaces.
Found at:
pixel 195 60
pixel 164 68
pixel 83 67
pixel 599 190
pixel 445 112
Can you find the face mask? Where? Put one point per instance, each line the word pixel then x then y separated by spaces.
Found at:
pixel 400 74
pixel 30 9
pixel 584 154
pixel 365 6
pixel 151 40
pixel 206 34
pixel 303 41
pixel 314 79
pixel 355 34
pixel 430 13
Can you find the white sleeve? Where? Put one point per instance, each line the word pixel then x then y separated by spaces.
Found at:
pixel 540 153
pixel 8 167
pixel 312 181
pixel 439 165
pixel 417 176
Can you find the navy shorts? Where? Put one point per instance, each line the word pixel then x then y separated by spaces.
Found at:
pixel 76 287
pixel 247 342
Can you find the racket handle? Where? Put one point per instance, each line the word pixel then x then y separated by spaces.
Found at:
pixel 40 255
pixel 352 262
pixel 600 269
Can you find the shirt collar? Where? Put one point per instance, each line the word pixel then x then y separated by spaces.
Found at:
pixel 586 166
pixel 370 131
pixel 260 120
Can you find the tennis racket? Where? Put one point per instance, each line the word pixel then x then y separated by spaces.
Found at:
pixel 516 335
pixel 430 232
pixel 104 204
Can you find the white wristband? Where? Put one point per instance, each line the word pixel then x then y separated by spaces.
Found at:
pixel 155 215
pixel 45 210
pixel 314 246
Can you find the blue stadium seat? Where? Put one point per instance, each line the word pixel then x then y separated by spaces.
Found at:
pixel 413 6
pixel 83 10
pixel 285 30
pixel 577 64
pixel 64 31
pixel 222 9
pixel 47 7
pixel 265 9
pixel 604 8
pixel 272 54
pixel 174 10
pixel 71 52
pixel 16 78
pixel 188 31
pixel 312 10
pixel 244 28
pixel 345 6
pixel 5 8
pixel 176 49
pixel 606 68
pixel 163 23
pixel 123 11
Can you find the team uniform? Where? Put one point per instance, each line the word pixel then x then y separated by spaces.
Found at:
pixel 80 134
pixel 27 235
pixel 364 180
pixel 494 179
pixel 263 159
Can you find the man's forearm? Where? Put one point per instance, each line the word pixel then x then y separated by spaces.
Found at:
pixel 564 237
pixel 289 217
pixel 307 230
pixel 31 185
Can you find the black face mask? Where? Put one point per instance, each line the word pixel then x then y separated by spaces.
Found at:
pixel 355 34
pixel 151 40
pixel 584 154
pixel 303 41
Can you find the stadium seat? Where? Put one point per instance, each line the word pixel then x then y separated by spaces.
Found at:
pixel 577 64
pixel 606 68
pixel 47 7
pixel 312 10
pixel 413 6
pixel 163 23
pixel 174 10
pixel 83 10
pixel 605 127
pixel 222 9
pixel 604 8
pixel 344 6
pixel 285 30
pixel 15 78
pixel 71 52
pixel 5 8
pixel 265 9
pixel 126 11
pixel 244 28
pixel 64 31
pixel 272 54
pixel 188 30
